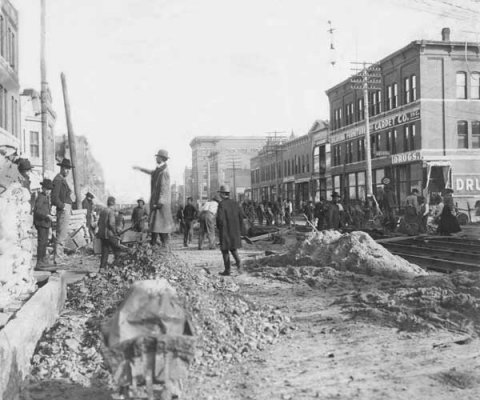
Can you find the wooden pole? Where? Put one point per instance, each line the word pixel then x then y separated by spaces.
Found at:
pixel 71 141
pixel 44 90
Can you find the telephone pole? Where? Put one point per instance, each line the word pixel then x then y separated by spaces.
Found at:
pixel 44 89
pixel 275 145
pixel 366 79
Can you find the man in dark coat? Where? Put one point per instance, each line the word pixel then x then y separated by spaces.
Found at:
pixel 334 213
pixel 139 216
pixel 61 199
pixel 189 215
pixel 230 227
pixel 107 232
pixel 43 221
pixel 161 221
pixel 87 204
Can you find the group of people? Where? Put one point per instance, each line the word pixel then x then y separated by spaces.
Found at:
pixel 272 212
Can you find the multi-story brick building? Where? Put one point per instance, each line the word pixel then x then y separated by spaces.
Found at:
pixel 9 86
pixel 218 160
pixel 424 125
pixel 293 168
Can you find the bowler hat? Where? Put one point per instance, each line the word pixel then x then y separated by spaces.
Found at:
pixel 90 195
pixel 24 164
pixel 224 189
pixel 47 184
pixel 66 163
pixel 335 194
pixel 162 153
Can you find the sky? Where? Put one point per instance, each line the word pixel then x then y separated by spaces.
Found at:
pixel 150 74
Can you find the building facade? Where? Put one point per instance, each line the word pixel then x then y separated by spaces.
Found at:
pixel 218 160
pixel 9 85
pixel 31 131
pixel 291 168
pixel 424 124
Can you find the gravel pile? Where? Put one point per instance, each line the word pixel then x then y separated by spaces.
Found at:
pixel 227 326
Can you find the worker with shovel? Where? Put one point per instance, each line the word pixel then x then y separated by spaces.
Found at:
pixel 161 221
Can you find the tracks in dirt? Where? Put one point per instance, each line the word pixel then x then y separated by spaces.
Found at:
pixel 443 254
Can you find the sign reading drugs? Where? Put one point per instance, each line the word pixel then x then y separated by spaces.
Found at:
pixel 403 158
pixel 385 123
pixel 467 184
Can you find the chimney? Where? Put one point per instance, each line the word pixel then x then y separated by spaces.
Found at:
pixel 446 34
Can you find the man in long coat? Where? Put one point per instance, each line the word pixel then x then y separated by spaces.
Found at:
pixel 43 221
pixel 161 221
pixel 87 204
pixel 335 213
pixel 230 227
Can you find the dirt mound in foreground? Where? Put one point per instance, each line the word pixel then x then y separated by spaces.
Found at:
pixel 356 252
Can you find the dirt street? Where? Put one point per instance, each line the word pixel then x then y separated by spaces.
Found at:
pixel 353 337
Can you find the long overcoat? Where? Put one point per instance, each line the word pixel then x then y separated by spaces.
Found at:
pixel 230 224
pixel 161 220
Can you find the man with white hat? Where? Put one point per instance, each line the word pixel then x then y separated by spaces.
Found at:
pixel 139 216
pixel 230 227
pixel 161 221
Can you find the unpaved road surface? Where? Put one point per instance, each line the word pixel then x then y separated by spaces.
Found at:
pixel 331 353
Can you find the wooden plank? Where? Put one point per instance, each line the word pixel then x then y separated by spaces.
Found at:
pixel 438 264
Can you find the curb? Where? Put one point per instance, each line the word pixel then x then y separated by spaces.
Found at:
pixel 18 339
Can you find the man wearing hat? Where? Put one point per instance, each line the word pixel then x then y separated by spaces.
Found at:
pixel 334 213
pixel 230 227
pixel 87 204
pixel 161 221
pixel 139 216
pixel 25 167
pixel 43 221
pixel 61 199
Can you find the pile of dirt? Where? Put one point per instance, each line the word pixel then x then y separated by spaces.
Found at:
pixel 450 302
pixel 226 325
pixel 356 252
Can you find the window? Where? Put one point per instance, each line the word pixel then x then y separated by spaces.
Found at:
pixel 361 186
pixel 462 134
pixel 349 152
pixel 360 110
pixel 34 144
pixel 388 100
pixel 373 146
pixel 475 85
pixel 461 85
pixel 413 85
pixel 303 163
pixel 377 142
pixel 308 163
pixel 392 141
pixel 476 134
pixel 252 176
pixel 337 184
pixel 285 168
pixel 395 96
pixel 406 90
pixel 361 149
pixel 409 137
pixel 352 186
pixel 378 110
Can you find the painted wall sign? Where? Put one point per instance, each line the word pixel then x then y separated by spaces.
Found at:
pixel 385 123
pixel 403 158
pixel 467 184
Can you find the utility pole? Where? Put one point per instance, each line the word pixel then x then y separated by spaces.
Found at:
pixel 73 147
pixel 369 78
pixel 275 144
pixel 44 89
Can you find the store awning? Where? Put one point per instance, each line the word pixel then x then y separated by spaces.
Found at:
pixel 437 163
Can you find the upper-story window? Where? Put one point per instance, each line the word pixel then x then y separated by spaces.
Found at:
pixel 361 149
pixel 462 134
pixel 360 110
pixel 349 114
pixel 413 87
pixel 461 85
pixel 389 99
pixel 475 85
pixel 406 90
pixel 395 95
pixel 476 134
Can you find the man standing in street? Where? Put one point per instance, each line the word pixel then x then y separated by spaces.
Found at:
pixel 161 221
pixel 61 199
pixel 189 215
pixel 87 204
pixel 335 213
pixel 230 226
pixel 139 216
pixel 207 222
pixel 43 221
pixel 107 232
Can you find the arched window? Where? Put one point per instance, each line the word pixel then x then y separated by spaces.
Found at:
pixel 475 85
pixel 461 85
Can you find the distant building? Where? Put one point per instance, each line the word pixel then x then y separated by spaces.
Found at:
pixel 187 185
pixel 89 170
pixel 31 138
pixel 218 160
pixel 321 177
pixel 9 85
pixel 424 125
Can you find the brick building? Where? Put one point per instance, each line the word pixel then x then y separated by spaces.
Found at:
pixel 424 125
pixel 9 86
pixel 222 159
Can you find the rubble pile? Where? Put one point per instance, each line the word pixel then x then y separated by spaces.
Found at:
pixel 16 273
pixel 226 325
pixel 449 302
pixel 356 252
